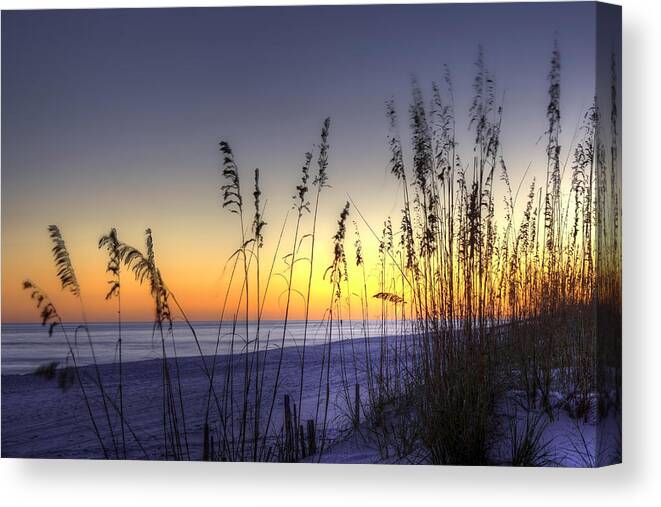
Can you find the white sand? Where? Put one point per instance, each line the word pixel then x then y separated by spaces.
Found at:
pixel 41 421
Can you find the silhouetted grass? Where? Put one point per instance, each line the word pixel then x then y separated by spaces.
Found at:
pixel 473 304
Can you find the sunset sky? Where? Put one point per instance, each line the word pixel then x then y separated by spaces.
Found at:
pixel 112 118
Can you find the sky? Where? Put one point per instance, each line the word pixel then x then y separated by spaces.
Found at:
pixel 112 118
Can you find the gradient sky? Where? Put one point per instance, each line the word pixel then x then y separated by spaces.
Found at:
pixel 112 118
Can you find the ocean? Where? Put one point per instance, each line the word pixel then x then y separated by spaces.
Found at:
pixel 27 346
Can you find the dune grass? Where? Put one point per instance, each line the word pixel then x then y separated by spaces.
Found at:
pixel 482 299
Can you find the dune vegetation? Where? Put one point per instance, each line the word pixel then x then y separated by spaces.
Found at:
pixel 504 296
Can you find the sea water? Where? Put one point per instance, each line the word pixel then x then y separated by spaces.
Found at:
pixel 28 346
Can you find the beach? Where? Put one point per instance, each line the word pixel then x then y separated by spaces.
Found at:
pixel 40 420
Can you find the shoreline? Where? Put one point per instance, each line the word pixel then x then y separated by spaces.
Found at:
pixel 188 358
pixel 27 347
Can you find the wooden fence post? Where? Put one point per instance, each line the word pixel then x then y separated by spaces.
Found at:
pixel 312 439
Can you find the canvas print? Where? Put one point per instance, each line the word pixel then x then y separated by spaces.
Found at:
pixel 385 234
